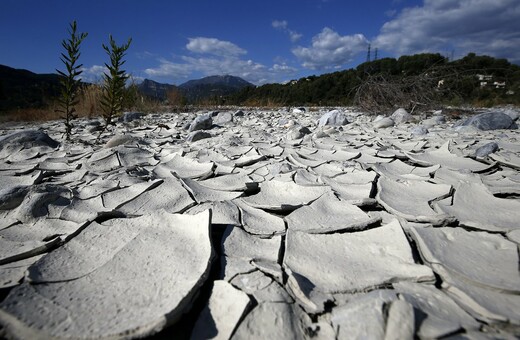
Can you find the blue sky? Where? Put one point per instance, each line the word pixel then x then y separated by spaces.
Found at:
pixel 261 41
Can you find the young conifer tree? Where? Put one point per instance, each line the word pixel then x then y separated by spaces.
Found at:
pixel 69 78
pixel 114 82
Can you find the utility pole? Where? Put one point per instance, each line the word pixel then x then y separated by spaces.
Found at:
pixel 375 54
pixel 368 53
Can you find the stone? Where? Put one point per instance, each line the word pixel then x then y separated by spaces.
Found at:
pixel 201 122
pixel 419 131
pixel 197 135
pixel 486 150
pixel 239 113
pixel 333 118
pixel 383 123
pixel 221 315
pixel 223 118
pixel 401 116
pixel 108 281
pixel 298 132
pixel 490 121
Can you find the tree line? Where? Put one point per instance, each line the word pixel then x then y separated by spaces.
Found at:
pixel 440 81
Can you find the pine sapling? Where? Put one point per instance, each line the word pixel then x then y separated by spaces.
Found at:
pixel 113 83
pixel 69 78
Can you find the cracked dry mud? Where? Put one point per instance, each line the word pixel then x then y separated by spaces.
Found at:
pixel 269 224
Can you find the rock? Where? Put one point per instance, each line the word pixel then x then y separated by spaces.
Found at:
pixel 419 131
pixel 201 122
pixel 223 118
pixel 333 118
pixel 222 314
pixel 490 121
pixel 128 117
pixel 299 110
pixel 486 149
pixel 383 123
pixel 239 113
pixel 197 135
pixel 298 132
pixel 110 279
pixel 401 116
pixel 511 112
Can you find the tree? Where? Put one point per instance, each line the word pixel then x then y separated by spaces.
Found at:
pixel 69 78
pixel 113 82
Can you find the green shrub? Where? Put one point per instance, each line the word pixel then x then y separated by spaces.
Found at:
pixel 114 82
pixel 69 78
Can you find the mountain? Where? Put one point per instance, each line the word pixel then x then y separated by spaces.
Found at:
pixel 21 89
pixel 213 86
pixel 154 89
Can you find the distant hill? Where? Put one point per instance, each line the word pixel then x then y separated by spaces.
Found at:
pixel 20 89
pixel 213 86
pixel 154 89
pixel 195 90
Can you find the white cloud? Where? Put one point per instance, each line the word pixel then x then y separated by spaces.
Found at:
pixel 480 26
pixel 168 69
pixel 283 25
pixel 214 46
pixel 218 64
pixel 330 50
pixel 93 74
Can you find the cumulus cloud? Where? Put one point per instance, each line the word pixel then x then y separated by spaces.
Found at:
pixel 283 25
pixel 212 63
pixel 214 46
pixel 480 26
pixel 330 50
pixel 93 74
